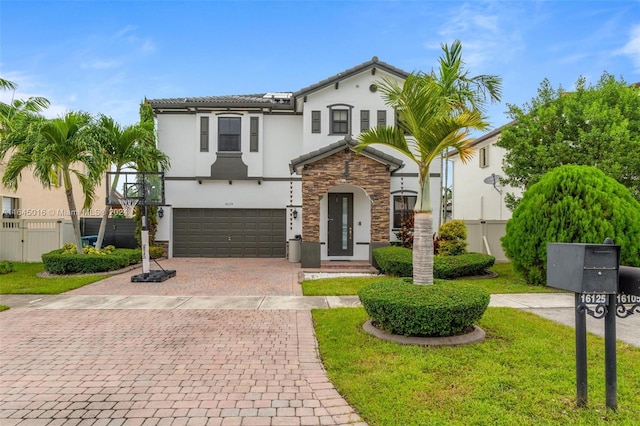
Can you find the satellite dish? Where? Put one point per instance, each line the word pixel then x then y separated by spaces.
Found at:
pixel 494 180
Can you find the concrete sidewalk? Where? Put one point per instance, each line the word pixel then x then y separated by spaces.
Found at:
pixel 558 307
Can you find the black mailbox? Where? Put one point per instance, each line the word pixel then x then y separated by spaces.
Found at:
pixel 583 268
pixel 629 281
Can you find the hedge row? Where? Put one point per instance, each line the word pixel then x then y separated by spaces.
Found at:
pixel 58 262
pixel 398 262
pixel 444 309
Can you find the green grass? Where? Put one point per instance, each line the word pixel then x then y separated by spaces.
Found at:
pixel 25 280
pixel 3 308
pixel 524 373
pixel 507 281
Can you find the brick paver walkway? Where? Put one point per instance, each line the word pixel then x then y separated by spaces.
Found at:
pixel 164 367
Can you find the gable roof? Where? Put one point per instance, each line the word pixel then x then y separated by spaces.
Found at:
pixel 346 143
pixel 373 64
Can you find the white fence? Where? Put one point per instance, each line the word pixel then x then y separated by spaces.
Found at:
pixel 25 240
pixel 484 237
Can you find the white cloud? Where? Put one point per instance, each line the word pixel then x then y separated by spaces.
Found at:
pixel 632 48
pixel 489 32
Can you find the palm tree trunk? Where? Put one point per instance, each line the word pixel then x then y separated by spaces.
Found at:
pixel 75 221
pixel 423 248
pixel 107 210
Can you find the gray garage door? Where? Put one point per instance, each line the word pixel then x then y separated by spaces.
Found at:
pixel 229 233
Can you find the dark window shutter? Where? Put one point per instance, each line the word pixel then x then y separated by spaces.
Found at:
pixel 382 118
pixel 253 137
pixel 364 120
pixel 204 134
pixel 315 121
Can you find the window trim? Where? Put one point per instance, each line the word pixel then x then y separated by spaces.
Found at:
pixel 364 120
pixel 483 157
pixel 254 135
pixel 404 213
pixel 340 107
pixel 316 121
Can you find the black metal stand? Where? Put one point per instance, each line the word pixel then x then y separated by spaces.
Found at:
pixel 608 312
pixel 581 352
pixel 610 361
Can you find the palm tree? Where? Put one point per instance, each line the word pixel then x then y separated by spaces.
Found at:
pixel 436 112
pixel 131 146
pixel 11 113
pixel 67 146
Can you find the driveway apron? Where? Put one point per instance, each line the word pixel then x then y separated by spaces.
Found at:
pixel 170 366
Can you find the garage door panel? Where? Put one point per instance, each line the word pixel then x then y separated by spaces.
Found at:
pixel 229 233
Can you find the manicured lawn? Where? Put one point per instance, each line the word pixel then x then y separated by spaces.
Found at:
pixel 25 280
pixel 524 373
pixel 506 282
pixel 3 308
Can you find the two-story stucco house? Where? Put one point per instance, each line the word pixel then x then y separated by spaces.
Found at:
pixel 250 173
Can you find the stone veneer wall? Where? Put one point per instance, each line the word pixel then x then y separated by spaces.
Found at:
pixel 370 175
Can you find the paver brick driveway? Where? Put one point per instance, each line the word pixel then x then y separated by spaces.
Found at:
pixel 167 367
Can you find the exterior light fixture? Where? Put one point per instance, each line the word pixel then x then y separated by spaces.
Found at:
pixel 160 212
pixel 295 213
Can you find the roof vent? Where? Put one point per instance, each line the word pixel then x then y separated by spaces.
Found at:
pixel 374 59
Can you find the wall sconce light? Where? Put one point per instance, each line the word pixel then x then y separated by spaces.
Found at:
pixel 160 212
pixel 199 181
pixel 295 213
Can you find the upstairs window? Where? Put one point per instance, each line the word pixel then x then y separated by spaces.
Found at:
pixel 382 118
pixel 229 134
pixel 340 121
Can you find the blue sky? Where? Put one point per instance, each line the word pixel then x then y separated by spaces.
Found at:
pixel 106 56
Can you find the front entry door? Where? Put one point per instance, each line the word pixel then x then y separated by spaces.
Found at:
pixel 340 238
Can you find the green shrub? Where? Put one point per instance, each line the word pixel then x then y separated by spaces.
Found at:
pixel 571 204
pixel 464 265
pixel 453 230
pixel 61 262
pixel 6 267
pixel 398 262
pixel 156 252
pixel 452 238
pixel 395 261
pixel 444 309
pixel 452 247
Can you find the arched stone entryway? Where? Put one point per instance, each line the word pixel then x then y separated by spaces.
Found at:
pixel 336 166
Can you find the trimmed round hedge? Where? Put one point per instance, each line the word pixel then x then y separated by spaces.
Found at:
pixel 398 262
pixel 443 309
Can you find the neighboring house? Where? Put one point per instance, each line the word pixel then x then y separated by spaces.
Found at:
pixel 478 194
pixel 251 173
pixel 36 220
pixel 32 201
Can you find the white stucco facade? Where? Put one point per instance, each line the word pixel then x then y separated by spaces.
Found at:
pixel 276 130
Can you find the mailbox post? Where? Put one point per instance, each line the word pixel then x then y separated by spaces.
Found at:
pixel 591 272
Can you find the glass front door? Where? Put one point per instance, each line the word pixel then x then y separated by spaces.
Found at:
pixel 340 238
